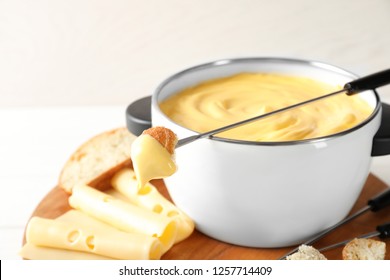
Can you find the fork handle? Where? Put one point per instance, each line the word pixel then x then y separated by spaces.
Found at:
pixel 372 81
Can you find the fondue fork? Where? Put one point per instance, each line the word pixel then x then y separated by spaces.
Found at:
pixel 372 81
pixel 375 204
pixel 382 231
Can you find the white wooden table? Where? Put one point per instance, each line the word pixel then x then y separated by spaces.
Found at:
pixel 68 69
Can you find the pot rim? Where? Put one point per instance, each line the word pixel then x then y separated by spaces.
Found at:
pixel 311 63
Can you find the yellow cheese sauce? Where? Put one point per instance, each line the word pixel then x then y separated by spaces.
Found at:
pixel 223 101
pixel 150 160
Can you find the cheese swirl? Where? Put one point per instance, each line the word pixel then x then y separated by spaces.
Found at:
pixel 223 101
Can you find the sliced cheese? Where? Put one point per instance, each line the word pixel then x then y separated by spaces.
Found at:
pixel 98 239
pixel 123 215
pixel 32 252
pixel 126 184
pixel 80 218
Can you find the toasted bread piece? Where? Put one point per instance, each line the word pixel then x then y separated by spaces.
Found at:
pixel 306 252
pixel 97 160
pixel 165 136
pixel 364 249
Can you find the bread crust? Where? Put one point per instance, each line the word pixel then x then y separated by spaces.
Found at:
pixel 164 136
pixel 364 249
pixel 96 160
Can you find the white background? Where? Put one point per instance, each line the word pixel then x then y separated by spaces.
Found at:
pixel 68 69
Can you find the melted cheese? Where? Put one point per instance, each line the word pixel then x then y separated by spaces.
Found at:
pixel 151 160
pixel 224 101
pixel 126 184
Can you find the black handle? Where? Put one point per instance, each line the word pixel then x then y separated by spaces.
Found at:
pixel 384 230
pixel 381 141
pixel 381 201
pixel 372 81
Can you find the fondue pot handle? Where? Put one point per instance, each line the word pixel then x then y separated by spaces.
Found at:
pixel 381 141
pixel 139 115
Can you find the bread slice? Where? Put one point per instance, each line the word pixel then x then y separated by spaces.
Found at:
pixel 364 249
pixel 306 252
pixel 96 161
pixel 166 137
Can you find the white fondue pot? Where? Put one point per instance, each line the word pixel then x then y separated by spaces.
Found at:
pixel 268 194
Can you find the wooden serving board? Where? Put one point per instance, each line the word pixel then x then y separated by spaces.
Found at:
pixel 198 246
